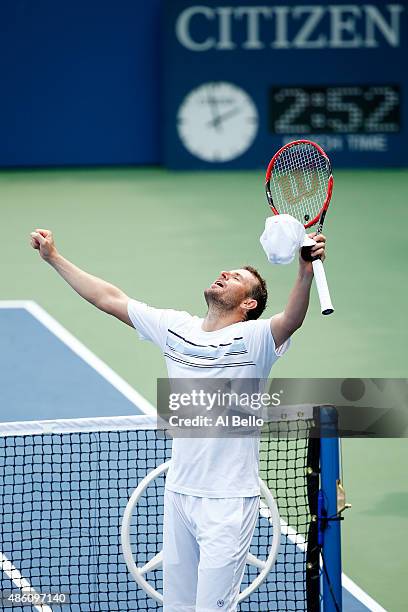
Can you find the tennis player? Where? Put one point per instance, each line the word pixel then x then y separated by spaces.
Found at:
pixel 212 487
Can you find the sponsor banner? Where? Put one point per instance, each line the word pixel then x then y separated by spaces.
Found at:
pixel 243 78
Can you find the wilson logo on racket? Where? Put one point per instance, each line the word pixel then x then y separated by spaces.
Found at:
pixel 294 187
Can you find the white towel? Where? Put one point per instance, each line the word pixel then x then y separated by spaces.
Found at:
pixel 282 238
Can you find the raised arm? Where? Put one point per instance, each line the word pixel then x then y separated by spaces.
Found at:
pixel 98 292
pixel 284 324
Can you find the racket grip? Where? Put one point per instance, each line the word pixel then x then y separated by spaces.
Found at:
pixel 322 287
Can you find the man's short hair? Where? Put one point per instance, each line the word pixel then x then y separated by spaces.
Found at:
pixel 259 293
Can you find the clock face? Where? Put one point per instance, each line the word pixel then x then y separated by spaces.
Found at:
pixel 217 121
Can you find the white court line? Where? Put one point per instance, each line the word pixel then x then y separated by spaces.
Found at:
pixel 361 595
pixel 123 387
pixel 13 303
pixel 20 582
pixel 83 352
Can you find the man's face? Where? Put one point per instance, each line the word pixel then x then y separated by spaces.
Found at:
pixel 230 289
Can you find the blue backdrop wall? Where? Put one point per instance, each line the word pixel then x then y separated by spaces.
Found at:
pixel 243 77
pixel 79 82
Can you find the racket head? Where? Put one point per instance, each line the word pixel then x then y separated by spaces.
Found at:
pixel 299 182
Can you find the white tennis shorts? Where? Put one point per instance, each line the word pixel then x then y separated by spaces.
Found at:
pixel 205 545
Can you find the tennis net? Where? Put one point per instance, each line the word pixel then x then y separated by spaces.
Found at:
pixel 64 486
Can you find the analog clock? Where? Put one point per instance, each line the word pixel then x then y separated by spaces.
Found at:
pixel 217 121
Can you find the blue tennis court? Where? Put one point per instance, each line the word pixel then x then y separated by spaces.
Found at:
pixel 48 375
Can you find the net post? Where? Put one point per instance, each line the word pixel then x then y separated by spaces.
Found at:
pixel 330 475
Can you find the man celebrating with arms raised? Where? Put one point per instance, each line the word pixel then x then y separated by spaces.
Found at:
pixel 212 487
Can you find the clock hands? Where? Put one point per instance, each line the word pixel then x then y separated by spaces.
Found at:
pixel 220 118
pixel 214 108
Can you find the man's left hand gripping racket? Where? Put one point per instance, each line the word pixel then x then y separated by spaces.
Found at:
pixel 299 182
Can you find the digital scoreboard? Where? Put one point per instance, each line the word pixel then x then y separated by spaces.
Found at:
pixel 241 79
pixel 370 109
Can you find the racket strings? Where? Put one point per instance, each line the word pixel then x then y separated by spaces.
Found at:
pixel 299 182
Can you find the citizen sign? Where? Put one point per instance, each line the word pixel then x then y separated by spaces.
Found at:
pixel 352 26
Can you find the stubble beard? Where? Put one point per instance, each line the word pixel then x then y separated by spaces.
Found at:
pixel 217 302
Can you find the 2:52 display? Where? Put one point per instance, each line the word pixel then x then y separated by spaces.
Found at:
pixel 364 109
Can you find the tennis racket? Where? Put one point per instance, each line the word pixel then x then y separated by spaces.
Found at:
pixel 299 182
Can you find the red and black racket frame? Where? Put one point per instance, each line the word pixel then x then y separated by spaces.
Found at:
pixel 319 218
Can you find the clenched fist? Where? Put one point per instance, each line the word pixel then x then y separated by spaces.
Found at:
pixel 316 251
pixel 43 241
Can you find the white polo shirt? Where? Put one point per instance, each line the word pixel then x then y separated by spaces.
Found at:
pixel 210 467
